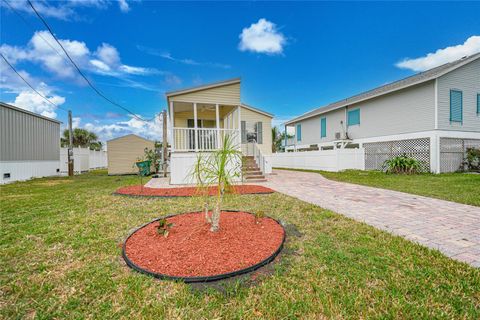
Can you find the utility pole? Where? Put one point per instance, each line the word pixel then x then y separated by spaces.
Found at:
pixel 164 142
pixel 70 144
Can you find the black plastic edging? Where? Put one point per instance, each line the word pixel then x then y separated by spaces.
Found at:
pixel 154 196
pixel 199 279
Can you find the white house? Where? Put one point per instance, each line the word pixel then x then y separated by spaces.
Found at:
pixel 432 116
pixel 202 116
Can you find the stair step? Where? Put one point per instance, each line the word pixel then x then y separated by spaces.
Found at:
pixel 257 180
pixel 253 173
pixel 253 177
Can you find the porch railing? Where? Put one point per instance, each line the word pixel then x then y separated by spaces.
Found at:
pixel 202 139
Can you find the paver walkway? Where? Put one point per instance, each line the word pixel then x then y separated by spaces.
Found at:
pixel 450 227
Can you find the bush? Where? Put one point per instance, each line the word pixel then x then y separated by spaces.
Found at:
pixel 402 165
pixel 472 160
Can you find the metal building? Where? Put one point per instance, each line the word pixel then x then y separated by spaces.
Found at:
pixel 29 145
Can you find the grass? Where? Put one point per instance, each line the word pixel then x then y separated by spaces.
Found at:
pixel 60 258
pixel 456 187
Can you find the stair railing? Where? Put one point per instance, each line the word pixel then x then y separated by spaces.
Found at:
pixel 260 159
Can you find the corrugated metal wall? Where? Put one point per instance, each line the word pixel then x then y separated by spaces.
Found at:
pixel 24 136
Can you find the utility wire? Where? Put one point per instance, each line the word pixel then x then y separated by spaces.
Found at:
pixel 24 80
pixel 80 71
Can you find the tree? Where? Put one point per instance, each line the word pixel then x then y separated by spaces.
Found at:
pixel 220 168
pixel 81 138
pixel 278 138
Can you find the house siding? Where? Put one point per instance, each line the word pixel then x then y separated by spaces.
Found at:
pixel 123 153
pixel 467 80
pixel 26 137
pixel 405 111
pixel 227 94
pixel 251 117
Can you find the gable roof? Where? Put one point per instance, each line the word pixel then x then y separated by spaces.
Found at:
pixel 391 87
pixel 128 135
pixel 246 106
pixel 203 87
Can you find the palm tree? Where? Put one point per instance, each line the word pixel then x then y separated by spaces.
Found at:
pixel 81 138
pixel 278 138
pixel 219 169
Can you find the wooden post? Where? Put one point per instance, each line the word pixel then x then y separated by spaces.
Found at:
pixel 164 143
pixel 195 132
pixel 172 123
pixel 70 144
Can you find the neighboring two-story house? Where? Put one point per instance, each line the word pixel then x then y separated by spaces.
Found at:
pixel 433 116
pixel 202 116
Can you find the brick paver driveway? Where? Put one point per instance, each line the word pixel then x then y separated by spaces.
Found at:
pixel 452 228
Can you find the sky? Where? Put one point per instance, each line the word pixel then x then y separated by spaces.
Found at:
pixel 292 57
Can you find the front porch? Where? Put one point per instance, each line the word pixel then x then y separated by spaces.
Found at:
pixel 201 127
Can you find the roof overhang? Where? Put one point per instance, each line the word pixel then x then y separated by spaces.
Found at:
pixel 6 105
pixel 203 87
pixel 246 106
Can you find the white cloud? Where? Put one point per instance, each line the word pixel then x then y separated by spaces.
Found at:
pixel 442 56
pixel 123 4
pixel 187 61
pixel 44 50
pixel 149 130
pixel 30 100
pixel 262 37
pixel 76 122
pixel 63 10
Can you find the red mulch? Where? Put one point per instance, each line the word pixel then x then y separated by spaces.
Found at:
pixel 188 191
pixel 192 250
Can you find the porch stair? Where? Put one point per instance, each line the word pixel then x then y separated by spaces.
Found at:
pixel 251 171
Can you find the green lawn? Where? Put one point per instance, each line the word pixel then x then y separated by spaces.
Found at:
pixel 457 187
pixel 60 258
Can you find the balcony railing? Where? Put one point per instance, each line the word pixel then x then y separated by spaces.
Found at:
pixel 202 139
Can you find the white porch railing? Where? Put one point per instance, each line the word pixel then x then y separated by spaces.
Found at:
pixel 202 139
pixel 252 149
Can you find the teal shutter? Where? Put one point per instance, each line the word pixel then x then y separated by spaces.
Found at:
pixel 456 106
pixel 323 127
pixel 299 132
pixel 478 103
pixel 259 128
pixel 353 117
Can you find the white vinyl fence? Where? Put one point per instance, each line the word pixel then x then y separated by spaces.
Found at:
pixel 84 160
pixel 327 160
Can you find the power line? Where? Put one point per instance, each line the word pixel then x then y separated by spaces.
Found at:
pixel 24 80
pixel 80 71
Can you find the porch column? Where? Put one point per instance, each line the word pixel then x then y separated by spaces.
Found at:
pixel 239 128
pixel 217 122
pixel 286 138
pixel 172 124
pixel 195 130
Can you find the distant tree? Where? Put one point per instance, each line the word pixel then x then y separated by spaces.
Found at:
pixel 81 138
pixel 278 138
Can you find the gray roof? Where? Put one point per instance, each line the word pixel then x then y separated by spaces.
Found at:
pixel 391 87
pixel 6 105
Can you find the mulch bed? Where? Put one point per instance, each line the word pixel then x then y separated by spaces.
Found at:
pixel 192 250
pixel 187 191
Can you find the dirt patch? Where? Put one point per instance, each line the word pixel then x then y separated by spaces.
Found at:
pixel 51 183
pixel 188 191
pixel 191 250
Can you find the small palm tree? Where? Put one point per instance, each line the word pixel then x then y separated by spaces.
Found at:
pixel 221 168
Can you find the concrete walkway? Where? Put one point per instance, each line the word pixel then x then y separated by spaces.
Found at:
pixel 450 227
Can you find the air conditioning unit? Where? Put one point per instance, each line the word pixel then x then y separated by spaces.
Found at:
pixel 338 136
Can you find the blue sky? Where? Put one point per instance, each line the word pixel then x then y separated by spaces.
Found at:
pixel 292 57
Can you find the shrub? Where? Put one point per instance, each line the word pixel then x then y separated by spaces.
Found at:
pixel 472 160
pixel 402 165
pixel 164 227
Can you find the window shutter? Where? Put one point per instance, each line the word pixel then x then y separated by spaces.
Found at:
pixel 353 117
pixel 298 133
pixel 456 106
pixel 259 133
pixel 323 127
pixel 244 131
pixel 478 103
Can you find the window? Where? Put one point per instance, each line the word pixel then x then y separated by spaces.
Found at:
pixel 353 117
pixel 323 127
pixel 299 132
pixel 456 106
pixel 478 103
